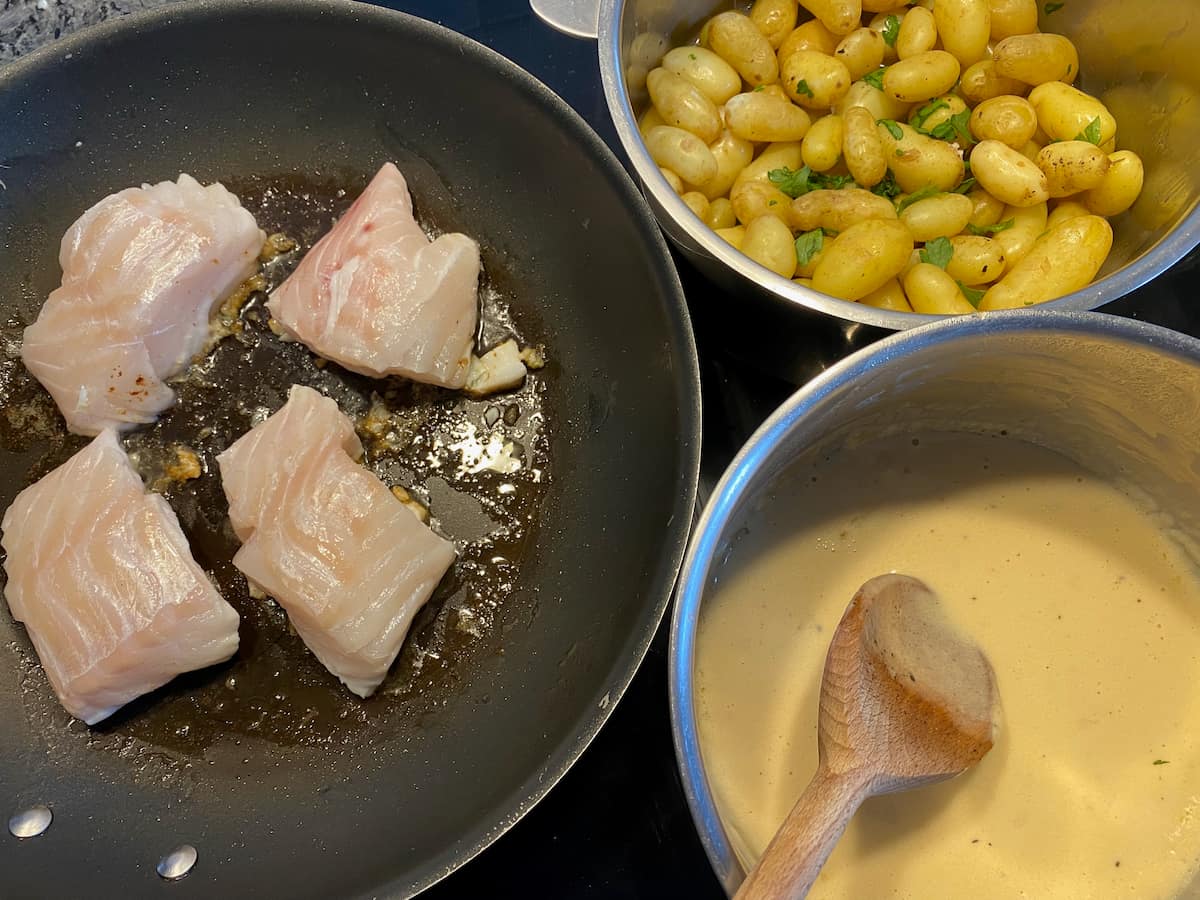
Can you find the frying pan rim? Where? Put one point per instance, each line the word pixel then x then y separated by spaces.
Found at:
pixel 686 369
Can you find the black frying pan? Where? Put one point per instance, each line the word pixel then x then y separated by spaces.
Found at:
pixel 285 783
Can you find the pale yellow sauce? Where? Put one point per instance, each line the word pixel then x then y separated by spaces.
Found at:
pixel 1088 613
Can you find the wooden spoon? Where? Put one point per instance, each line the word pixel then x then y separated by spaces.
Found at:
pixel 905 701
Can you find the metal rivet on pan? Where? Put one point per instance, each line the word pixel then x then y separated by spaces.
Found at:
pixel 30 822
pixel 177 863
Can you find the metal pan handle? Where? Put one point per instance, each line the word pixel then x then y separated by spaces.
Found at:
pixel 578 18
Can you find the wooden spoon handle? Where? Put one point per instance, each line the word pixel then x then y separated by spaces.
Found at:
pixel 793 859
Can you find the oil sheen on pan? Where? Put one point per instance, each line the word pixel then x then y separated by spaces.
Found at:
pixel 481 466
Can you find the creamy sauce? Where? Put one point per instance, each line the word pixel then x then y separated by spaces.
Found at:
pixel 1089 615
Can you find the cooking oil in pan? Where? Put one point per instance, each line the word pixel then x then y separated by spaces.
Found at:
pixel 481 467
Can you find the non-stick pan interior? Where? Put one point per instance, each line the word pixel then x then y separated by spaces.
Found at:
pixel 290 103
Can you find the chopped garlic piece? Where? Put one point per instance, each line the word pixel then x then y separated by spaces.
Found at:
pixel 497 370
pixel 418 509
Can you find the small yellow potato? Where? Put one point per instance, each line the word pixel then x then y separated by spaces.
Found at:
pixel 976 260
pixel 822 146
pixel 733 236
pixel 884 21
pixel 754 199
pixel 883 6
pixel 942 215
pixel 880 104
pixel 683 105
pixel 737 40
pixel 981 82
pixel 861 51
pixel 776 19
pixel 921 76
pixel 1072 166
pixel 769 243
pixel 732 154
pixel 1120 186
pixel 673 180
pixel 1065 112
pixel 890 296
pixel 1007 175
pixel 1011 17
pixel 839 16
pixel 681 152
pixel 1028 224
pixel 917 160
pixel 837 210
pixel 720 214
pixel 815 80
pixel 931 291
pixel 714 77
pixel 1007 119
pixel 861 147
pixel 986 209
pixel 765 116
pixel 1064 259
pixel 807 282
pixel 864 257
pixel 965 27
pixel 812 35
pixel 784 155
pixel 1063 210
pixel 649 119
pixel 696 202
pixel 918 33
pixel 1036 58
pixel 1030 151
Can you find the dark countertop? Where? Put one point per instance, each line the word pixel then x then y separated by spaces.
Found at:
pixel 617 825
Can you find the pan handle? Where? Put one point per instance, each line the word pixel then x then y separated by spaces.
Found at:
pixel 578 18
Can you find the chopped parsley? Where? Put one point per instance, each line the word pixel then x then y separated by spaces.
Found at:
pixel 1091 133
pixel 985 230
pixel 917 196
pixel 875 79
pixel 1052 7
pixel 832 182
pixel 888 187
pixel 973 295
pixel 794 183
pixel 965 187
pixel 759 88
pixel 809 245
pixel 891 30
pixel 938 252
pixel 955 128
pixel 893 128
pixel 922 115
pixel 802 87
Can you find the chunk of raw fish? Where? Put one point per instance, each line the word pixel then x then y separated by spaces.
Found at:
pixel 321 534
pixel 142 271
pixel 101 574
pixel 378 297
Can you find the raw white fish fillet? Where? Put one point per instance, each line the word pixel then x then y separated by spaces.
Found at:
pixel 378 297
pixel 142 271
pixel 321 534
pixel 101 574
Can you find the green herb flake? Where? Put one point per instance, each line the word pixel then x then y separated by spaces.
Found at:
pixel 917 196
pixel 1052 7
pixel 1091 134
pixel 938 252
pixel 973 295
pixel 760 88
pixel 1161 762
pixel 956 128
pixel 792 183
pixel 831 182
pixel 893 128
pixel 875 79
pixel 809 245
pixel 802 87
pixel 891 30
pixel 691 56
pixel 965 187
pixel 987 230
pixel 888 187
pixel 922 115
